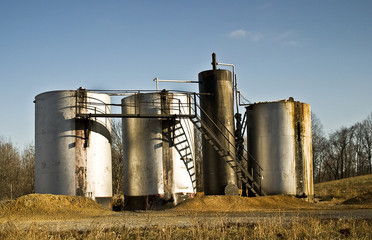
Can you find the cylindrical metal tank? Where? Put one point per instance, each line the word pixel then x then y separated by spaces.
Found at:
pixel 156 168
pixel 279 139
pixel 217 102
pixel 73 155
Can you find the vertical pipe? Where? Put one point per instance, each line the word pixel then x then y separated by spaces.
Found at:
pixel 214 62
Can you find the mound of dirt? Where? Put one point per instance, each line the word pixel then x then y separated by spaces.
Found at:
pixel 48 204
pixel 242 204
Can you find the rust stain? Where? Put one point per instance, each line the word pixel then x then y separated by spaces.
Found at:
pixel 80 164
pixel 168 178
pixel 303 150
pixel 81 147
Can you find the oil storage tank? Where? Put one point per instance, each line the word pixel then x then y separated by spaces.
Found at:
pixel 158 150
pixel 217 104
pixel 73 155
pixel 279 139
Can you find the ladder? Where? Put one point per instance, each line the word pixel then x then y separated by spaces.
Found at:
pixel 181 143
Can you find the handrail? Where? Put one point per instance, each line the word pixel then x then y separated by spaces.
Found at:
pixel 244 122
pixel 228 131
pixel 255 169
pixel 236 165
pixel 90 105
pixel 253 179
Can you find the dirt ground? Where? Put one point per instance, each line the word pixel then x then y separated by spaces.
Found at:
pixel 63 213
pixel 47 206
pixel 242 204
pixel 351 198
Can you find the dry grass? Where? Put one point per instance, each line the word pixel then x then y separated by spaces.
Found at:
pixel 270 228
pixel 355 190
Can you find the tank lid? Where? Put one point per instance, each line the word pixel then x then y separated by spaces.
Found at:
pixel 290 99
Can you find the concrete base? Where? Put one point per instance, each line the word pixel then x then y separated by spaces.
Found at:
pixel 154 202
pixel 105 202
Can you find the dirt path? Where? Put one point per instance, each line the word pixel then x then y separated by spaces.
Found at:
pixel 170 218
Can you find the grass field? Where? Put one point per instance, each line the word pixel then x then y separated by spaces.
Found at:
pixel 349 191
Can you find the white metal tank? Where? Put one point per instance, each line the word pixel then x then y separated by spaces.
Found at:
pixel 73 155
pixel 158 152
pixel 279 139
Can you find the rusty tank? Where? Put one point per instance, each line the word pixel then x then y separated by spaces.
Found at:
pixel 279 140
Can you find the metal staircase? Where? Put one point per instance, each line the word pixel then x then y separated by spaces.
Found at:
pixel 181 143
pixel 251 178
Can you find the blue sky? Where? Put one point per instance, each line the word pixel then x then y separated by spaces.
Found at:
pixel 319 51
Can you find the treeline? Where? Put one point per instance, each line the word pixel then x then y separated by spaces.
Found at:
pixel 346 152
pixel 16 170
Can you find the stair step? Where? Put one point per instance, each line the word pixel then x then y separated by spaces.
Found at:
pixel 187 161
pixel 179 135
pixel 182 142
pixel 185 154
pixel 185 148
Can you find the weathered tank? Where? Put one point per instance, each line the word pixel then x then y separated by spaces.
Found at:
pixel 73 155
pixel 279 139
pixel 158 151
pixel 217 104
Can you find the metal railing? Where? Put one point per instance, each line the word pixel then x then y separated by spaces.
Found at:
pixel 139 108
pixel 253 166
pixel 176 108
pixel 88 105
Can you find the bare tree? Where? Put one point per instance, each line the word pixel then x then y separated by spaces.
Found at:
pixel 9 170
pixel 367 141
pixel 16 170
pixel 340 153
pixel 360 158
pixel 27 177
pixel 117 157
pixel 198 161
pixel 320 147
